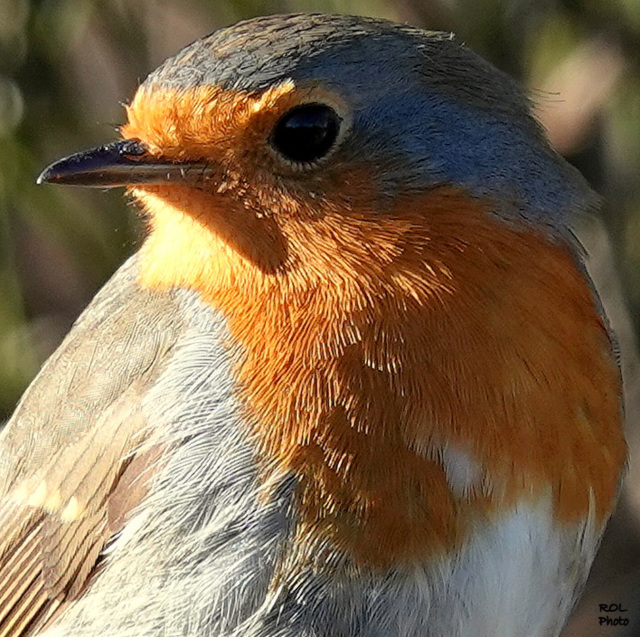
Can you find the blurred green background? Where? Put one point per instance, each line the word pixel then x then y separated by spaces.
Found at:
pixel 66 67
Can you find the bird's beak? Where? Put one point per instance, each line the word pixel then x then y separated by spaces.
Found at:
pixel 122 163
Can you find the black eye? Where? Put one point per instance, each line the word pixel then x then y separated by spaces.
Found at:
pixel 306 133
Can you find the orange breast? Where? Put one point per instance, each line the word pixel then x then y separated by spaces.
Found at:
pixel 391 337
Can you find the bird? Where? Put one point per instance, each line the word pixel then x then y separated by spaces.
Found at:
pixel 356 381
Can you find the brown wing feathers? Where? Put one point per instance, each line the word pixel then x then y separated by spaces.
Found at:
pixel 22 596
pixel 55 524
pixel 74 460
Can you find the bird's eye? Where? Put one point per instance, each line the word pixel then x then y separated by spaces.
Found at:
pixel 306 133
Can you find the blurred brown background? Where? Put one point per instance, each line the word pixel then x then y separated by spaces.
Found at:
pixel 67 65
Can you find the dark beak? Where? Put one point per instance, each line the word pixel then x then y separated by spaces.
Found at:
pixel 122 163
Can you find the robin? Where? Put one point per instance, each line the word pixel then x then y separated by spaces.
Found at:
pixel 356 382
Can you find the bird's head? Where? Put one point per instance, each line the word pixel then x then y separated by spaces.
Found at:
pixel 318 146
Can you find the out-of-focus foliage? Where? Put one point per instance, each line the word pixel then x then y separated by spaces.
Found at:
pixel 67 65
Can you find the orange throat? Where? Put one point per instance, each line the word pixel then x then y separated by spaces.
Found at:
pixel 389 350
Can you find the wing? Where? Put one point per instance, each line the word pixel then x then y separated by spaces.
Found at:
pixel 76 457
